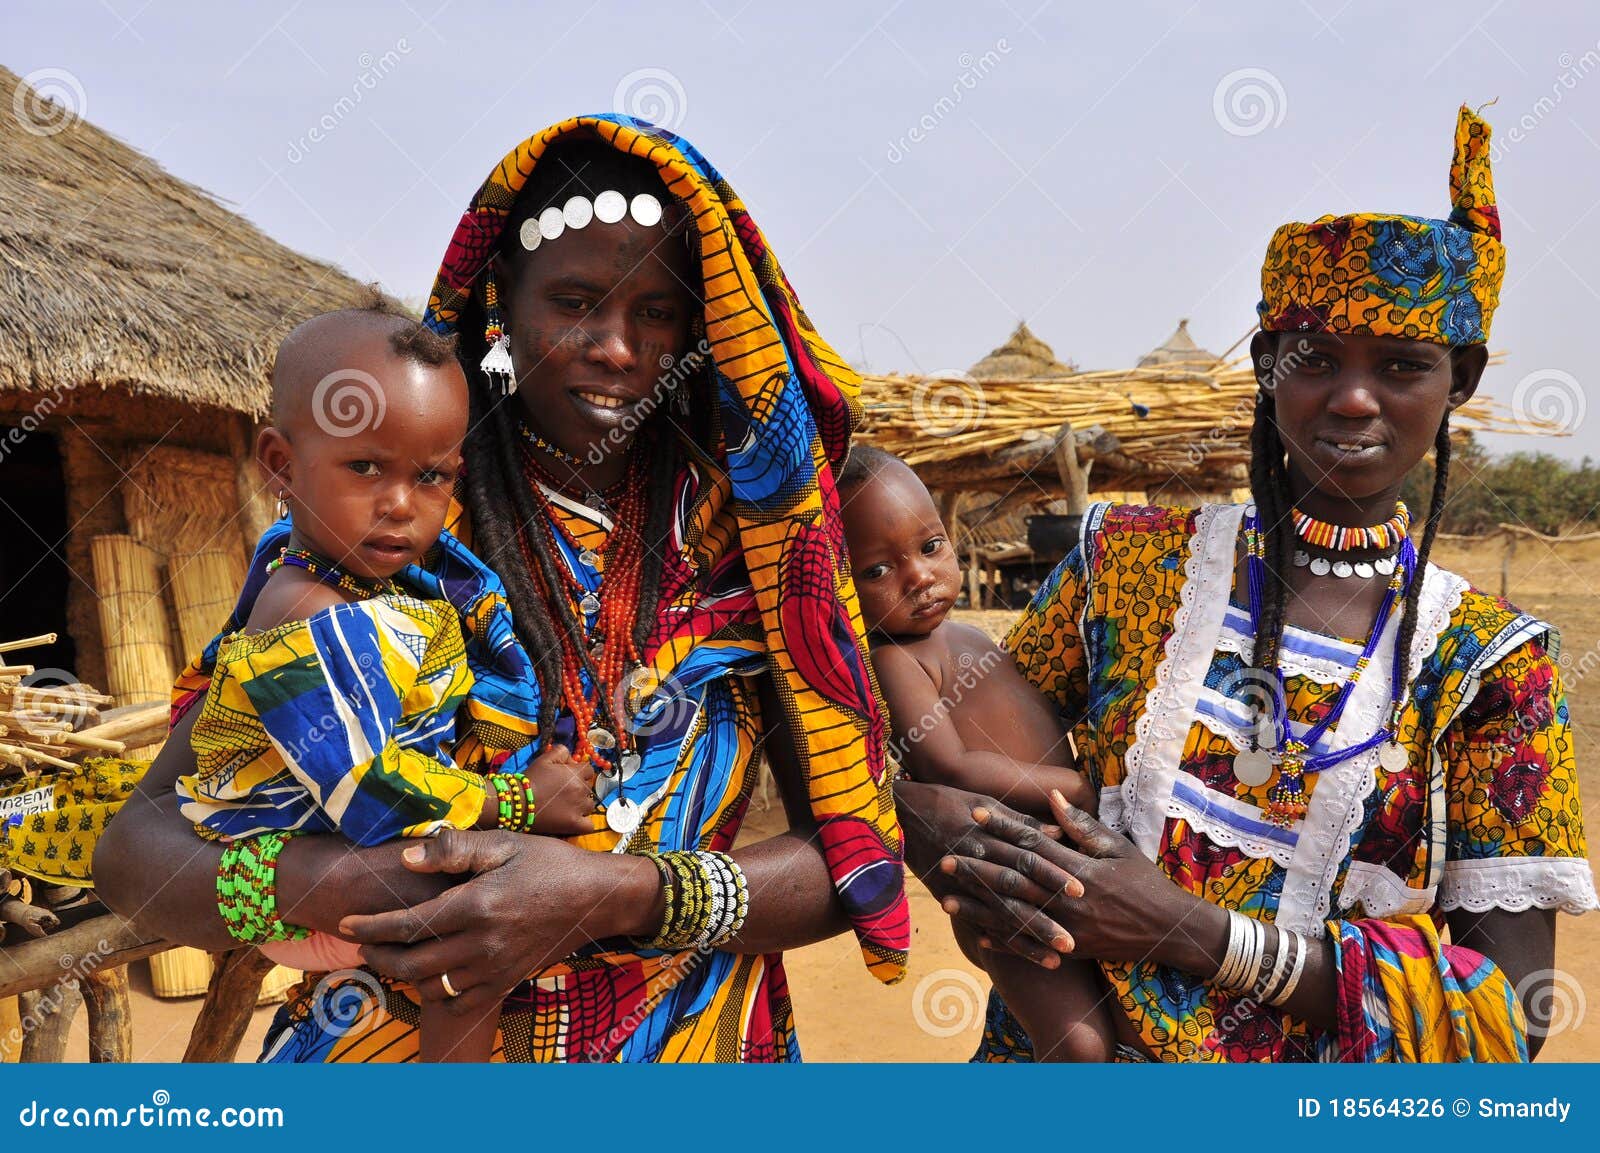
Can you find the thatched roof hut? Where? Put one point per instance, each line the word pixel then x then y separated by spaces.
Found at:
pixel 138 319
pixel 1179 348
pixel 1022 357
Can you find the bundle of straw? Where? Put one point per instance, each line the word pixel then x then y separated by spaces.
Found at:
pixel 1182 420
pixel 204 585
pixel 133 623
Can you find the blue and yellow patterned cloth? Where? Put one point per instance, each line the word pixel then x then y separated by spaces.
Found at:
pixel 339 723
pixel 1407 276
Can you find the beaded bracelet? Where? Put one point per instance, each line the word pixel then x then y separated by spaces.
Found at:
pixel 705 899
pixel 247 891
pixel 514 797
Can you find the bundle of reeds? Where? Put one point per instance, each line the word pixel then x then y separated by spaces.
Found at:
pixel 47 726
pixel 1173 419
pixel 133 622
pixel 204 585
pixel 180 501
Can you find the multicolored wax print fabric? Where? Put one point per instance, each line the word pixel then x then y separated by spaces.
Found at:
pixel 699 741
pixel 1405 276
pixel 1142 641
pixel 339 723
pixel 786 405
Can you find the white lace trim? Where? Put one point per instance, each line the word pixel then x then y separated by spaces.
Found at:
pixel 1339 800
pixel 1159 733
pixel 1147 797
pixel 1291 659
pixel 1381 893
pixel 1226 821
pixel 1519 883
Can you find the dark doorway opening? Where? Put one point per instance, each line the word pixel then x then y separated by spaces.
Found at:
pixel 33 548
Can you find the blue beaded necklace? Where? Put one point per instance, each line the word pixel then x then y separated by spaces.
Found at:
pixel 1286 801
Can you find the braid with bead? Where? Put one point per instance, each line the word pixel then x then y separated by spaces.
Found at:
pixel 1441 483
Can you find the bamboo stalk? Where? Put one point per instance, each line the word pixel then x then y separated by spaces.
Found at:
pixel 27 642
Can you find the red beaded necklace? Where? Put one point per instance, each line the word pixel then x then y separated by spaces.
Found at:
pixel 611 654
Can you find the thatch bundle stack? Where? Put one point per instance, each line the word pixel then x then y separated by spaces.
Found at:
pixel 1142 427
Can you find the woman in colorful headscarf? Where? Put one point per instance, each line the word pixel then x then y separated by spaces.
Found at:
pixel 1313 749
pixel 641 373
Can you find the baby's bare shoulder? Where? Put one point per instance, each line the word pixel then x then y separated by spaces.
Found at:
pixel 288 596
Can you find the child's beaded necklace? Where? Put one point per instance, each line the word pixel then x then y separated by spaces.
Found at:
pixel 329 573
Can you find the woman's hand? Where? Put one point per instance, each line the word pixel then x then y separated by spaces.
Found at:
pixel 938 826
pixel 526 903
pixel 1112 902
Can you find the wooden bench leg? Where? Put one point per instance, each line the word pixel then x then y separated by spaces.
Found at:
pixel 47 1017
pixel 230 1000
pixel 105 992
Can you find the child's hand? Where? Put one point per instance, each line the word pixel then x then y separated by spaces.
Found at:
pixel 563 793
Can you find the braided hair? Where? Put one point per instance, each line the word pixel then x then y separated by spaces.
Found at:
pixel 504 513
pixel 1269 488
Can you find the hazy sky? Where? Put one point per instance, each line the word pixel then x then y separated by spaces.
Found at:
pixel 928 173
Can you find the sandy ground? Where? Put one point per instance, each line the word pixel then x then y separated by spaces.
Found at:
pixel 935 1013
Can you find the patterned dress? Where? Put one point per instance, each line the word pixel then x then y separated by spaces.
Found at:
pixel 1142 641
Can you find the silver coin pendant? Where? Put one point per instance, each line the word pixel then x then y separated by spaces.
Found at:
pixel 623 816
pixel 1393 757
pixel 1253 768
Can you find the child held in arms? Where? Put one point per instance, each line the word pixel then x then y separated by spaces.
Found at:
pixel 333 708
pixel 962 715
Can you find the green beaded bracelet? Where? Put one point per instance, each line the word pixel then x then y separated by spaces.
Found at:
pixel 247 891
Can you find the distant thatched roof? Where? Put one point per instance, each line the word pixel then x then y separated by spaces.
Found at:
pixel 115 274
pixel 1179 348
pixel 1023 357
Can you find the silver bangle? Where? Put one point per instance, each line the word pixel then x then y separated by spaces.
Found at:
pixel 1240 968
pixel 1229 969
pixel 1280 965
pixel 1281 996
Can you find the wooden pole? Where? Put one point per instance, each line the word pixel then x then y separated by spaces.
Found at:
pixel 100 942
pixel 1074 476
pixel 105 992
pixel 231 998
pixel 48 1015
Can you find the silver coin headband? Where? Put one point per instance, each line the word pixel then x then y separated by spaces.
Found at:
pixel 608 208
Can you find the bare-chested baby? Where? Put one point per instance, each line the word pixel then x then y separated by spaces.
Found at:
pixel 963 715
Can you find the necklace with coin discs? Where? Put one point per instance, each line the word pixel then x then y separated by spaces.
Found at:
pixel 1290 758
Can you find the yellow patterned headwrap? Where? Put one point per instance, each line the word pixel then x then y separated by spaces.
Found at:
pixel 1409 276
